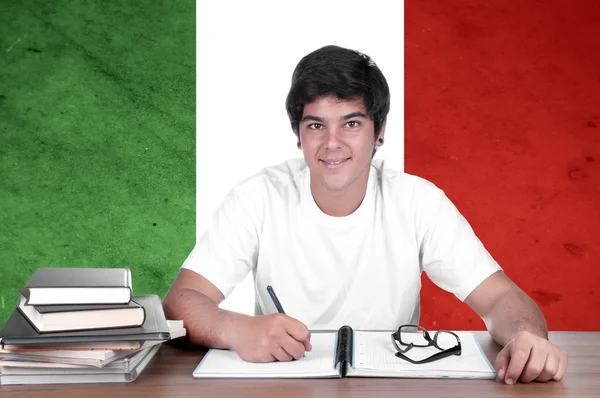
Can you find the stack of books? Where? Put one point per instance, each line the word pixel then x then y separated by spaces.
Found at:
pixel 82 325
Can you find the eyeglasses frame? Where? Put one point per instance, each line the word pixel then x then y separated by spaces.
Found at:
pixel 396 337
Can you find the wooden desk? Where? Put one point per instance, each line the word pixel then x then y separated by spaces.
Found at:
pixel 170 375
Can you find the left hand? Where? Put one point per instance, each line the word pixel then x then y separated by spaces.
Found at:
pixel 528 357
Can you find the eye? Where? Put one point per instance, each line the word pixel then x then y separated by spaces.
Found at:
pixel 352 124
pixel 315 126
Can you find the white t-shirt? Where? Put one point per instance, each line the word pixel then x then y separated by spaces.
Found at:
pixel 361 270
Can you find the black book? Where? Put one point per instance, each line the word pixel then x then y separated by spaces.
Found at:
pixel 48 286
pixel 18 330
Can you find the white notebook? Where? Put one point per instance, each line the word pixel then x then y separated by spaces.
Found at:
pixel 371 354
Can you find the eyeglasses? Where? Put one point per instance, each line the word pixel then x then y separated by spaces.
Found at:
pixel 410 336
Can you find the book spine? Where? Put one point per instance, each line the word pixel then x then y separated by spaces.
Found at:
pixel 343 351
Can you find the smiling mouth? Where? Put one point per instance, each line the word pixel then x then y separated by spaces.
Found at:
pixel 333 164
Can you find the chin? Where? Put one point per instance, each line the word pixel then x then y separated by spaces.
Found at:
pixel 334 185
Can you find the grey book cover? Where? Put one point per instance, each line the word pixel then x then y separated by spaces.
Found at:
pixel 60 286
pixel 18 330
pixel 49 309
pixel 80 277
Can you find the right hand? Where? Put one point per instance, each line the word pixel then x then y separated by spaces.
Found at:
pixel 268 338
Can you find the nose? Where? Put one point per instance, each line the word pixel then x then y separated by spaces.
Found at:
pixel 333 139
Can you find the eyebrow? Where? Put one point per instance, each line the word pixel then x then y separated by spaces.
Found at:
pixel 345 117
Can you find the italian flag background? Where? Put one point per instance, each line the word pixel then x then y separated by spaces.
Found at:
pixel 502 111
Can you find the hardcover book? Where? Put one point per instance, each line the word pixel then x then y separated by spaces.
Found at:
pixel 57 318
pixel 78 286
pixel 18 331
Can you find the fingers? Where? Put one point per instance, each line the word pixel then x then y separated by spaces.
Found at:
pixel 293 348
pixel 502 361
pixel 554 367
pixel 281 355
pixel 529 357
pixel 536 365
pixel 286 338
pixel 274 337
pixel 299 332
pixel 307 344
pixel 546 362
pixel 562 365
pixel 550 368
pixel 519 354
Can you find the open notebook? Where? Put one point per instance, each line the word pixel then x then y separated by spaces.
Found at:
pixel 371 354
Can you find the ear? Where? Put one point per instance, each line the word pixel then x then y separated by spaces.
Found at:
pixel 381 135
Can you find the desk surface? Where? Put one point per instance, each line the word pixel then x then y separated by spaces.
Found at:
pixel 170 375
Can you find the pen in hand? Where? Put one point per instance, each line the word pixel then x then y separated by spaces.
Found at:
pixel 275 300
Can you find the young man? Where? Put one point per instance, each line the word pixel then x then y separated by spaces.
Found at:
pixel 343 239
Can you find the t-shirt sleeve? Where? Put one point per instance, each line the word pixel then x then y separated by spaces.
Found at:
pixel 228 250
pixel 451 254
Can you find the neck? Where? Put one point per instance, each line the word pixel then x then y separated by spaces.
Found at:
pixel 343 202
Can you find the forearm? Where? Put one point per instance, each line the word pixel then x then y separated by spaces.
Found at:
pixel 514 312
pixel 206 324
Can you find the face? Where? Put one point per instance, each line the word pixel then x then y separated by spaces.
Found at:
pixel 337 139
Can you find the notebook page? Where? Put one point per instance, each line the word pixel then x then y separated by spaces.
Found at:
pixel 317 363
pixel 374 355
